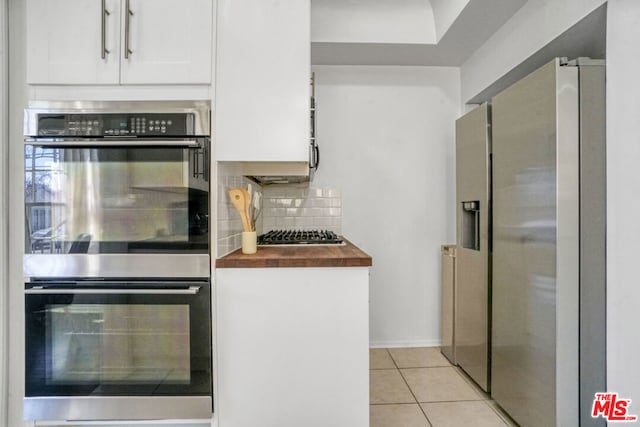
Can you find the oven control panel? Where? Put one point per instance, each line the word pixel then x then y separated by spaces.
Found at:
pixel 116 125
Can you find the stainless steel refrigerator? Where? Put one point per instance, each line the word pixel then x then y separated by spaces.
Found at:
pixel 548 288
pixel 473 255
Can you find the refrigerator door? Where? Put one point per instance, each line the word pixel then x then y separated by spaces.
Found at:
pixel 535 293
pixel 473 207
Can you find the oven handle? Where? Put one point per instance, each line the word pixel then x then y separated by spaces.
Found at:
pixel 114 143
pixel 191 290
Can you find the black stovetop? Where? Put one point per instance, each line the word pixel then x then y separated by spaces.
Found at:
pixel 303 237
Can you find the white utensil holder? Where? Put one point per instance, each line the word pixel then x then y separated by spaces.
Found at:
pixel 249 242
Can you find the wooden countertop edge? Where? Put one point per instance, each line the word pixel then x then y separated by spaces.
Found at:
pixel 353 257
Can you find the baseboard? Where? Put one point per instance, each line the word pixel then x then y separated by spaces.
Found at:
pixel 404 343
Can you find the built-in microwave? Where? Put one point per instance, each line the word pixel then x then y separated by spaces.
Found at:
pixel 111 187
pixel 267 173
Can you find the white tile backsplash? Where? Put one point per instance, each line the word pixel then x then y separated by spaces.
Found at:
pixel 288 207
pixel 295 208
pixel 229 225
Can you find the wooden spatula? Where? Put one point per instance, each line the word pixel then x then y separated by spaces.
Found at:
pixel 239 202
pixel 247 207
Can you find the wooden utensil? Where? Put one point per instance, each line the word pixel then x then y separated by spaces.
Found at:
pixel 247 207
pixel 238 199
pixel 252 210
pixel 256 207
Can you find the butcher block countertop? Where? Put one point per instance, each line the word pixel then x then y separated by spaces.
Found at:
pixel 275 256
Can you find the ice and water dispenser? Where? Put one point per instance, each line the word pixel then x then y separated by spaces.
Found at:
pixel 471 225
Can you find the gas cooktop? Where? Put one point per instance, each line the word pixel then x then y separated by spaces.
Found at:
pixel 297 237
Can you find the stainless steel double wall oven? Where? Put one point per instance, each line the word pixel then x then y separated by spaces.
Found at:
pixel 117 292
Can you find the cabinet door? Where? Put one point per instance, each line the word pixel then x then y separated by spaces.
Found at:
pixel 295 343
pixel 65 41
pixel 169 41
pixel 262 80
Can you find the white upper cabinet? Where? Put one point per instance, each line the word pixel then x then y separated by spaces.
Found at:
pixel 119 41
pixel 169 41
pixel 263 65
pixel 73 41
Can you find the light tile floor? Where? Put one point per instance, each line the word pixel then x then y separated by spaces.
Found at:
pixel 418 387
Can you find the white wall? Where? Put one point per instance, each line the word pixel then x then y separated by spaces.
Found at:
pixel 3 215
pixel 623 204
pixel 386 136
pixel 17 102
pixel 372 21
pixel 537 23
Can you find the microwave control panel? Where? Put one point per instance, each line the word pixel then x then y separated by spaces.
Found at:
pixel 116 125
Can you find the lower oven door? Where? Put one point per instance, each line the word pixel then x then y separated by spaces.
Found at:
pixel 98 350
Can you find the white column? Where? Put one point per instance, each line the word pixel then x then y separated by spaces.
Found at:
pixel 4 166
pixel 623 201
pixel 14 173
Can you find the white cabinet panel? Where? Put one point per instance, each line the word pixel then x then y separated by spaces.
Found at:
pixel 64 42
pixel 169 40
pixel 262 80
pixel 293 347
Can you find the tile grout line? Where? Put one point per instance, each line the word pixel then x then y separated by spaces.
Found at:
pixel 506 419
pixel 482 397
pixel 454 401
pixel 425 367
pixel 393 404
pixel 470 382
pixel 486 397
pixel 410 390
pixel 433 401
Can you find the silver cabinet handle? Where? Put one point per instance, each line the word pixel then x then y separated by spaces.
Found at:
pixel 196 166
pixel 205 164
pixel 200 168
pixel 114 143
pixel 127 26
pixel 104 15
pixel 191 290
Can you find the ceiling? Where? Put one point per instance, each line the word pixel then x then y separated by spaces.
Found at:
pixel 403 32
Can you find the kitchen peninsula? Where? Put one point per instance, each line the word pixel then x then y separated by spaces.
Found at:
pixel 347 255
pixel 293 336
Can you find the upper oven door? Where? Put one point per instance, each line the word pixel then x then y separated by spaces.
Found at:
pixel 114 197
pixel 118 338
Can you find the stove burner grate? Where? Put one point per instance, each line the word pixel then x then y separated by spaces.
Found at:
pixel 292 237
